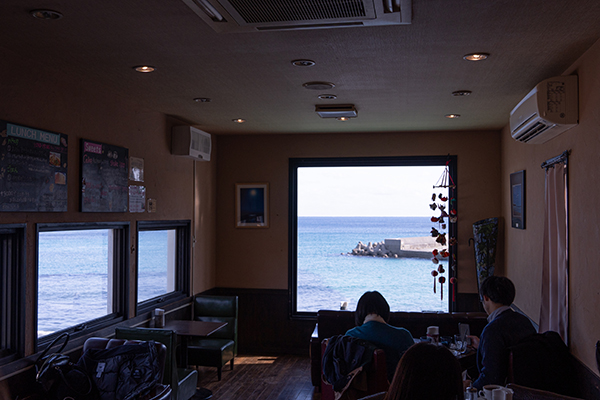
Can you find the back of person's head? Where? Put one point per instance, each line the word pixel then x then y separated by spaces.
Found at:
pixel 427 372
pixel 499 289
pixel 371 303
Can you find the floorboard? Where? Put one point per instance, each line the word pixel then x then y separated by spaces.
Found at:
pixel 284 377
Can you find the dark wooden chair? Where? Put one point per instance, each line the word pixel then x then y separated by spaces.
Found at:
pixel 182 380
pixel 374 378
pixel 221 346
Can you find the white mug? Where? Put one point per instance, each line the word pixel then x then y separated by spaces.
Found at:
pixel 502 394
pixel 434 333
pixel 487 391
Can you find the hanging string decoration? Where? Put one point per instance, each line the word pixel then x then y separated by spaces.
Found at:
pixel 447 215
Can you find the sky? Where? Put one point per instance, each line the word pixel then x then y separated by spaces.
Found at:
pixel 367 191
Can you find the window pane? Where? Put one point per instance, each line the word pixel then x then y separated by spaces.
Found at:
pixel 73 278
pixel 156 263
pixel 338 207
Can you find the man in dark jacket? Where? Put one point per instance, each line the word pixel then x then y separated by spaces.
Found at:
pixel 505 328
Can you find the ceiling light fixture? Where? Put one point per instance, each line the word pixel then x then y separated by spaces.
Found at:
pixel 336 111
pixel 144 68
pixel 318 85
pixel 476 56
pixel 452 116
pixel 327 96
pixel 303 63
pixel 45 14
pixel 202 100
pixel 343 118
pixel 239 120
pixel 461 93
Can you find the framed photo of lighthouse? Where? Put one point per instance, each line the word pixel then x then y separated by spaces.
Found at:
pixel 252 205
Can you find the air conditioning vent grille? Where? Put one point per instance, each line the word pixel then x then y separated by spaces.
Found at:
pixel 201 143
pixel 265 11
pixel 532 132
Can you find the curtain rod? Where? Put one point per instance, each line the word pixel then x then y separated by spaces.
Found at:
pixel 555 160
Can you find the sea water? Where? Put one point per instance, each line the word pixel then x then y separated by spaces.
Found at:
pixel 328 276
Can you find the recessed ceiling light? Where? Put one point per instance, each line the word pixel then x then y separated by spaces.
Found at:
pixel 327 96
pixel 45 14
pixel 318 85
pixel 239 120
pixel 303 63
pixel 461 93
pixel 476 56
pixel 451 116
pixel 144 68
pixel 202 100
pixel 343 118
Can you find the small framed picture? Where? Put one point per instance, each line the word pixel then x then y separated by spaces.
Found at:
pixel 252 205
pixel 517 199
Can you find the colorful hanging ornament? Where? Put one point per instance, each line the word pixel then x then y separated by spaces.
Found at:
pixel 453 283
pixel 434 273
pixel 442 280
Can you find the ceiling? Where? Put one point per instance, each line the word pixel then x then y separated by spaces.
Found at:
pixel 399 77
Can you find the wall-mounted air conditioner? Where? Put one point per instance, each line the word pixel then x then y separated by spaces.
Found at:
pixel 548 110
pixel 271 15
pixel 191 142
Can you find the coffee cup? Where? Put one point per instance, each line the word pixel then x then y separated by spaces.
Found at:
pixel 502 394
pixel 433 332
pixel 487 391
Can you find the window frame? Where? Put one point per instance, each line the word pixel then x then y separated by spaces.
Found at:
pixel 12 301
pixel 120 299
pixel 295 163
pixel 182 263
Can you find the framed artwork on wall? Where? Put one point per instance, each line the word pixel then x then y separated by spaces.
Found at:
pixel 252 205
pixel 517 199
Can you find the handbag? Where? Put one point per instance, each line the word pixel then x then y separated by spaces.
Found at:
pixel 59 378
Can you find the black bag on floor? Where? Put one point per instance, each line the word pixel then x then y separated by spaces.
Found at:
pixel 124 372
pixel 59 377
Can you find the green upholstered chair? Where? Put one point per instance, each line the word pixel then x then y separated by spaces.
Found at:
pixel 221 346
pixel 183 381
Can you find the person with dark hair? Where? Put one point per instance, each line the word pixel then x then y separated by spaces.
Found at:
pixel 371 317
pixel 427 372
pixel 505 328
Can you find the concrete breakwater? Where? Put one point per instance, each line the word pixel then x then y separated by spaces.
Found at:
pixel 417 247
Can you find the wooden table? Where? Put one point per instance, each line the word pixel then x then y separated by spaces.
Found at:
pixel 187 329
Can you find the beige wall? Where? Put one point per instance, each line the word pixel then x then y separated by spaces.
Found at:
pixel 258 258
pixel 523 250
pixel 52 100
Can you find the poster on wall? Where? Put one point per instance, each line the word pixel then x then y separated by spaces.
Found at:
pixel 104 173
pixel 33 169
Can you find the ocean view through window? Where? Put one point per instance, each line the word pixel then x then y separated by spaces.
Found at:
pixel 338 206
pixel 156 266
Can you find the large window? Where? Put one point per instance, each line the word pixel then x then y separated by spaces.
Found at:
pixel 12 291
pixel 339 204
pixel 163 261
pixel 81 276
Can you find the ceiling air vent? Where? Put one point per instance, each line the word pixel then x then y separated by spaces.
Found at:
pixel 271 15
pixel 336 111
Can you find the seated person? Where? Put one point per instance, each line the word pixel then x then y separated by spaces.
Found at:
pixel 427 372
pixel 371 316
pixel 505 328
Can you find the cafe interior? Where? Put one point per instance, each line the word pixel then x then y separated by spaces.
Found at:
pixel 264 84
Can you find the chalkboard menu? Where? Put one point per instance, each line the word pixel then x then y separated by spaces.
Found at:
pixel 104 174
pixel 33 169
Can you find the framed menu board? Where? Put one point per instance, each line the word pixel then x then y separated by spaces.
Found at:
pixel 33 169
pixel 104 174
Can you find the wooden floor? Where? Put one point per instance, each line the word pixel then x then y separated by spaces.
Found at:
pixel 261 377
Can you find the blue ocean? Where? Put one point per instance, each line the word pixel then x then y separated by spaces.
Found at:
pixel 73 279
pixel 328 276
pixel 73 282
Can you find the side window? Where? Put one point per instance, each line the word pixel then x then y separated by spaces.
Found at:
pixel 81 276
pixel 12 291
pixel 163 261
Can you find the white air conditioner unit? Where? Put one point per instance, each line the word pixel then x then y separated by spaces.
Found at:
pixel 191 142
pixel 270 15
pixel 547 111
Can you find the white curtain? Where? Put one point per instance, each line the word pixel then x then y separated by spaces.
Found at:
pixel 554 315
